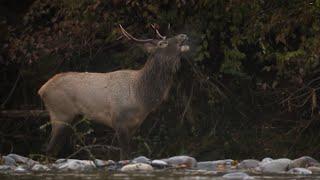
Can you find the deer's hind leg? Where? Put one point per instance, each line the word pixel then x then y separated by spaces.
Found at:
pixel 60 133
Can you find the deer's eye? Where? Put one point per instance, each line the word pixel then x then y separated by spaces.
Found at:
pixel 162 44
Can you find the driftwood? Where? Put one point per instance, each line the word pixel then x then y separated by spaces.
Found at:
pixel 23 113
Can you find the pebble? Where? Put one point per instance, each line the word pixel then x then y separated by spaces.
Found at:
pixel 275 166
pixel 20 169
pixel 237 176
pixel 304 162
pixel 301 166
pixel 137 167
pixel 181 161
pixel 248 164
pixel 40 168
pixel 302 171
pixel 141 159
pixel 74 165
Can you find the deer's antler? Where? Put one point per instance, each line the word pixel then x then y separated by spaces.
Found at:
pixel 129 36
pixel 158 33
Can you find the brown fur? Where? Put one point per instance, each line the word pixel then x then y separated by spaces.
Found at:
pixel 120 99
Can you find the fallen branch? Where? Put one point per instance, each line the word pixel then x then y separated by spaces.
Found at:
pixel 23 113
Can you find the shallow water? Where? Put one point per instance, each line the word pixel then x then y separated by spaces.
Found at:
pixel 157 175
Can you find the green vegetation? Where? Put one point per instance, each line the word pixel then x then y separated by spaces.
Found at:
pixel 249 88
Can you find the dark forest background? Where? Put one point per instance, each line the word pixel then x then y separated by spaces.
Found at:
pixel 249 88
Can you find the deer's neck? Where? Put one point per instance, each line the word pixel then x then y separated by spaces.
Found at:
pixel 155 79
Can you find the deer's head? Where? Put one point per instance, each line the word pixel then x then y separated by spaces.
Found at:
pixel 177 43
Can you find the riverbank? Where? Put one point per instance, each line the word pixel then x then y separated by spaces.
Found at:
pixel 176 166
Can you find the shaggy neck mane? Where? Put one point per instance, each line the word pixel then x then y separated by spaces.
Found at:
pixel 156 78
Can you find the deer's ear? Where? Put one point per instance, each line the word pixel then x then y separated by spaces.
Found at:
pixel 149 47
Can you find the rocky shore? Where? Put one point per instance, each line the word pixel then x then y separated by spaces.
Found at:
pixel 228 168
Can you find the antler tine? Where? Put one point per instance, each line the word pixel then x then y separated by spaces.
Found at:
pixel 129 36
pixel 124 32
pixel 158 33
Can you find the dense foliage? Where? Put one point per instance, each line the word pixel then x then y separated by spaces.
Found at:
pixel 249 88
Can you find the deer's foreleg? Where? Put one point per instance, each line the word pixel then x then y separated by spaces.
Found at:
pixel 124 142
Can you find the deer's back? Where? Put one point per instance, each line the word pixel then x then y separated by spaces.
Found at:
pixel 99 96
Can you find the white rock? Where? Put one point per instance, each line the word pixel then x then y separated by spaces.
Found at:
pixel 137 167
pixel 275 166
pixel 237 176
pixel 5 167
pixel 248 164
pixel 141 159
pixel 303 171
pixel 24 160
pixel 159 163
pixel 75 165
pixel 103 163
pixel 20 169
pixel 9 161
pixel 314 169
pixel 58 161
pixel 304 162
pixel 267 159
pixel 40 168
pixel 187 161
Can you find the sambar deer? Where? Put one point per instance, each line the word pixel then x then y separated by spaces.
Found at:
pixel 121 99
